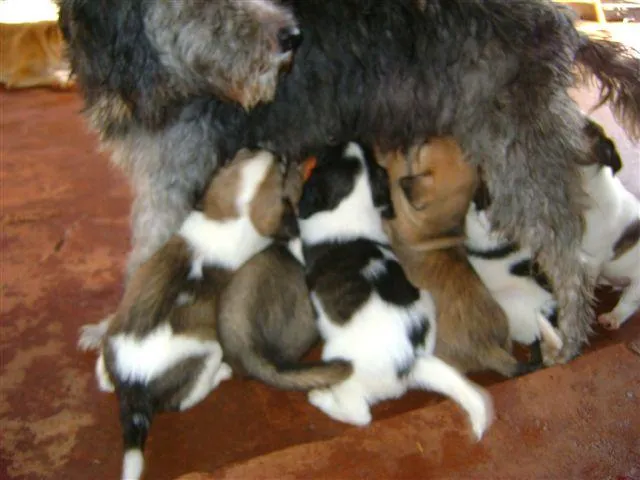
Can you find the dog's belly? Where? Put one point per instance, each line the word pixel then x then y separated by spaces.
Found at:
pixel 390 77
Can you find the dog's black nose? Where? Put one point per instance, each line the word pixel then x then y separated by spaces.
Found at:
pixel 289 38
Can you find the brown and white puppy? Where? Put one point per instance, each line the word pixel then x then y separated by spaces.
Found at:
pixel 611 242
pixel 160 350
pixel 266 321
pixel 32 55
pixel 431 188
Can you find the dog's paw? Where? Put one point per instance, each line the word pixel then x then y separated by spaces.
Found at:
pixel 569 351
pixel 91 335
pixel 609 321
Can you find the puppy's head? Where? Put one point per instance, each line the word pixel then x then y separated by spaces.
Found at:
pixel 602 148
pixel 431 187
pixel 346 173
pixel 252 186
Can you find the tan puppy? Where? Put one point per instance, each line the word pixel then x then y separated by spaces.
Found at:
pixel 32 55
pixel 160 351
pixel 431 189
pixel 266 321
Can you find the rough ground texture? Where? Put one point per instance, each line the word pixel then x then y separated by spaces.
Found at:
pixel 64 241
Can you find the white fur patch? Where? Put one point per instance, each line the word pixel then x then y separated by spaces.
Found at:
pixel 147 358
pixel 132 465
pixel 295 247
pixel 104 381
pixel 253 173
pixel 227 244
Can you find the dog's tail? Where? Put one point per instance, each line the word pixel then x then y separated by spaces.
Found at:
pixel 304 377
pixel 136 413
pixel 617 69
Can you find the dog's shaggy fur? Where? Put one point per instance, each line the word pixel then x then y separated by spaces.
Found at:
pixel 163 82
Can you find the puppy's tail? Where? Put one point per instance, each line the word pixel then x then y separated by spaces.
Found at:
pixel 303 377
pixel 617 69
pixel 136 413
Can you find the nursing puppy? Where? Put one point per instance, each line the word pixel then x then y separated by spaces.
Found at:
pixel 611 241
pixel 516 282
pixel 431 189
pixel 266 321
pixel 367 310
pixel 159 352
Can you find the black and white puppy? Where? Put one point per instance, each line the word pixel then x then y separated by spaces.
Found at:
pixel 514 280
pixel 611 242
pixel 367 310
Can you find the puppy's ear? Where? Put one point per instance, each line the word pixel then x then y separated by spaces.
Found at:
pixel 288 228
pixel 380 190
pixel 603 149
pixel 606 154
pixel 482 197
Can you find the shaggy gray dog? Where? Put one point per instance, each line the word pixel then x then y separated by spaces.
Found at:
pixel 176 87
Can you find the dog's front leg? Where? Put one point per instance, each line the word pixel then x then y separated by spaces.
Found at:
pixel 158 211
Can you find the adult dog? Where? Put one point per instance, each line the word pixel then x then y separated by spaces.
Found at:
pixel 171 85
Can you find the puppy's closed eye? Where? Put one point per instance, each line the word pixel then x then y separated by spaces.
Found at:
pixel 417 189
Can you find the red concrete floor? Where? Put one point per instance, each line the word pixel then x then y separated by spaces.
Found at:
pixel 64 241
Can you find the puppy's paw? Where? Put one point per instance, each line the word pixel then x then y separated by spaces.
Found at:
pixel 609 321
pixel 91 334
pixel 224 373
pixel 481 413
pixel 357 414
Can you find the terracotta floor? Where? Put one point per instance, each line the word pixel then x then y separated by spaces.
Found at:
pixel 63 245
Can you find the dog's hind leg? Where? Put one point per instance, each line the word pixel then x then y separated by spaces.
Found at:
pixel 431 373
pixel 530 147
pixel 168 171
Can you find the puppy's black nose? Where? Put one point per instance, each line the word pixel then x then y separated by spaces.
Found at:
pixel 289 38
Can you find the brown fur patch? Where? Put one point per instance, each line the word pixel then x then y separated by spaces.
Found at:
pixel 438 187
pixel 627 240
pixel 219 200
pixel 473 331
pixel 267 207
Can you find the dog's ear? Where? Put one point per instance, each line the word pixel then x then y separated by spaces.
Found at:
pixel 288 228
pixel 380 190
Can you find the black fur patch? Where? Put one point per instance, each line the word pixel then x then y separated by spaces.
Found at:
pixel 529 268
pixel 495 253
pixel 335 271
pixel 418 333
pixel 393 286
pixel 603 149
pixel 327 186
pixel 628 239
